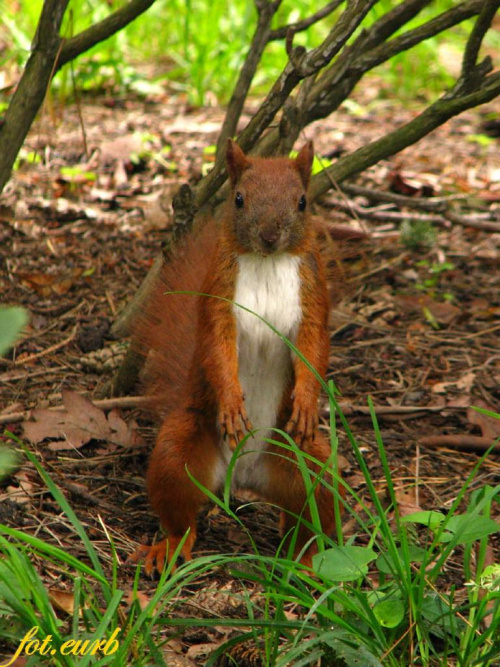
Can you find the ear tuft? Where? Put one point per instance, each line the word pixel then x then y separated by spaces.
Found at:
pixel 303 162
pixel 236 161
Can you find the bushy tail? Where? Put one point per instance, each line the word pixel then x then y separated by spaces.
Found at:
pixel 166 329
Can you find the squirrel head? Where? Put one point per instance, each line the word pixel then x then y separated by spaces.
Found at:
pixel 267 209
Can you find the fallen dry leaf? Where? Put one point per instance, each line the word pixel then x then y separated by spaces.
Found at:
pixel 441 311
pixel 464 383
pixel 406 183
pixel 141 597
pixel 77 424
pixel 24 493
pixel 45 285
pixel 407 501
pixel 62 600
pixel 490 426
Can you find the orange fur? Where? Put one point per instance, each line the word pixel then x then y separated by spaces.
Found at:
pixel 194 368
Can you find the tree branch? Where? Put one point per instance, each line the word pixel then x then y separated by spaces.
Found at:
pixel 294 71
pixel 368 51
pixel 30 92
pixel 349 20
pixel 260 39
pixel 299 26
pixel 435 115
pixel 102 30
pixel 476 37
pixel 339 80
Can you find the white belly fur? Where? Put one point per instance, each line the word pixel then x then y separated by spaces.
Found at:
pixel 270 287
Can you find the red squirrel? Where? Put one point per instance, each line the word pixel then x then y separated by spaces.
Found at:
pixel 221 372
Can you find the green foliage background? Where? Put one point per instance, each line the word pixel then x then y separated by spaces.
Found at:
pixel 198 46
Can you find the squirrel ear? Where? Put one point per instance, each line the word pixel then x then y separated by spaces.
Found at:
pixel 303 162
pixel 236 161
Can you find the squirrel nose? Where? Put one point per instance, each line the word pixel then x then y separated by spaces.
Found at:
pixel 269 235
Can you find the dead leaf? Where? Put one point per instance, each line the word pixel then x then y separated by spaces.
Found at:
pixel 407 501
pixel 120 176
pixel 490 426
pixel 441 311
pixel 201 651
pixel 77 424
pixel 122 148
pixel 465 383
pixel 45 285
pixel 24 493
pixel 405 183
pixel 137 596
pixel 62 600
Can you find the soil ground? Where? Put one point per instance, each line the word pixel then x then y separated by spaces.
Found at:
pixel 415 328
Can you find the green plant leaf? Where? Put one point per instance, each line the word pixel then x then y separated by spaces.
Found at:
pixel 348 654
pixel 386 565
pixel 439 613
pixel 343 563
pixel 428 518
pixel 8 461
pixel 389 613
pixel 467 528
pixel 12 320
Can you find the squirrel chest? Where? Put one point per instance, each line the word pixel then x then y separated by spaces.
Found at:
pixel 270 287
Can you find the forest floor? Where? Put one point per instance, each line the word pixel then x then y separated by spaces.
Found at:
pixel 415 325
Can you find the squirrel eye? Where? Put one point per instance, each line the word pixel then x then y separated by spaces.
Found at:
pixel 302 203
pixel 238 200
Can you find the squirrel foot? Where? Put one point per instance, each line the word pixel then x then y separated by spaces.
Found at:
pixel 155 556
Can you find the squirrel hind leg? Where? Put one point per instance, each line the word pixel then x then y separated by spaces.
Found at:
pixel 288 491
pixel 182 445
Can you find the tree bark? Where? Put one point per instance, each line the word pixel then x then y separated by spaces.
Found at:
pixel 30 92
pixel 49 52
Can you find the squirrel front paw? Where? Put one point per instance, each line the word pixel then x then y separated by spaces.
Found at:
pixel 232 418
pixel 303 422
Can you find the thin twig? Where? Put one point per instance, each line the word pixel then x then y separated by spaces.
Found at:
pixel 424 204
pixel 349 409
pixel 477 221
pixel 474 443
pixel 32 357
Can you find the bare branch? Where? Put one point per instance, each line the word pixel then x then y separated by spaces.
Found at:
pixel 339 80
pixel 413 37
pixel 436 114
pixel 388 24
pixel 476 37
pixel 102 30
pixel 260 40
pixel 30 92
pixel 299 26
pixel 421 203
pixel 349 20
pixel 368 51
pixel 309 63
